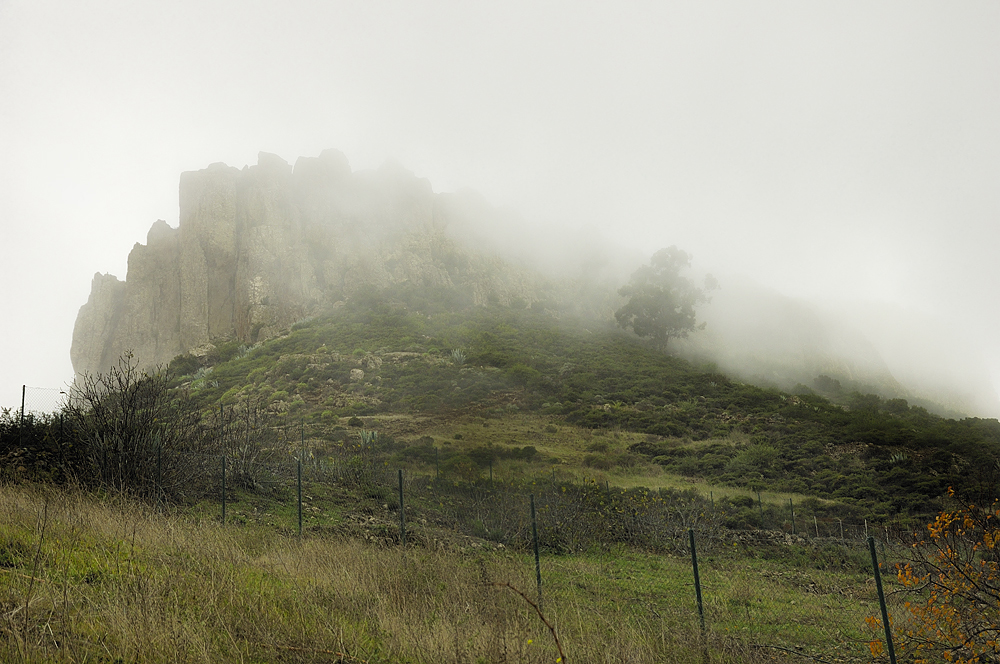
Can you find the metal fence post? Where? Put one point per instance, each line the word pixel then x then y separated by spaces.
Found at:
pixel 299 473
pixel 881 601
pixel 223 489
pixel 697 581
pixel 760 506
pixel 534 539
pixel 402 518
pixel 159 472
pixel 20 426
pixel 791 508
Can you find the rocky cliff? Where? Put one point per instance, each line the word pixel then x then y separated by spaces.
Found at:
pixel 259 248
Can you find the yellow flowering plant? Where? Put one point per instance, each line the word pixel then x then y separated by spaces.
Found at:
pixel 953 580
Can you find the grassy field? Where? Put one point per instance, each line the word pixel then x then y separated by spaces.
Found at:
pixel 622 447
pixel 574 454
pixel 91 579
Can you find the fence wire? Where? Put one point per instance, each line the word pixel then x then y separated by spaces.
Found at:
pixel 42 401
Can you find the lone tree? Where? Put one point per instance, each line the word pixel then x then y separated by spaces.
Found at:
pixel 661 301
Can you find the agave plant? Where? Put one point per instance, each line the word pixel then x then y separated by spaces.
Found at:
pixel 368 438
pixel 458 357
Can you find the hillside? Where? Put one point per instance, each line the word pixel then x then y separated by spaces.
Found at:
pixel 415 431
pixel 257 249
pixel 318 295
pixel 413 367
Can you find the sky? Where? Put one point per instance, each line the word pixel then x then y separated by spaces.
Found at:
pixel 840 152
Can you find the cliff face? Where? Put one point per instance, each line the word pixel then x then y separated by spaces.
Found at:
pixel 259 248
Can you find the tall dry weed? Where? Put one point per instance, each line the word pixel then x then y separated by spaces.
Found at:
pixel 85 578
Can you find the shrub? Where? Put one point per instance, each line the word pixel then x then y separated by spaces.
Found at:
pixel 597 461
pixel 461 467
pixel 184 365
pixel 955 586
pixel 244 434
pixel 39 446
pixel 133 433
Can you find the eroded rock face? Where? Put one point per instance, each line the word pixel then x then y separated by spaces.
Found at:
pixel 259 248
pixel 98 319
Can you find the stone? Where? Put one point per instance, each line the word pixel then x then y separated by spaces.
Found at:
pixel 258 249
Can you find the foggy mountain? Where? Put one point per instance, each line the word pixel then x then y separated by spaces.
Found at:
pixel 830 151
pixel 260 248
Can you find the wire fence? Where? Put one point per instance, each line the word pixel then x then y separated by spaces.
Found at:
pixel 792 584
pixel 797 596
pixel 40 401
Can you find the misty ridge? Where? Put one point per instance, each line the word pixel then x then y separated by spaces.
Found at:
pixel 259 248
pixel 753 332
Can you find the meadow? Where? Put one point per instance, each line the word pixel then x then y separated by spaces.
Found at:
pixel 107 579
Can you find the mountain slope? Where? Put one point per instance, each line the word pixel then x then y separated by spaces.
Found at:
pixel 384 356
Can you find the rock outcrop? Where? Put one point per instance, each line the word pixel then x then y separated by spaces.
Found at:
pixel 259 248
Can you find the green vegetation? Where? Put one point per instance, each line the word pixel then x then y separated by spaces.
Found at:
pixel 662 302
pixel 107 579
pixel 622 447
pixel 381 357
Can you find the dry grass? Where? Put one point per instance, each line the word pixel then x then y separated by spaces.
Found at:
pixel 84 579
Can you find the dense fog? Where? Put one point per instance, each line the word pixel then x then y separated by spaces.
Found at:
pixel 834 165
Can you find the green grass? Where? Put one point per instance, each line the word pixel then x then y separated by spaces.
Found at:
pixel 763 602
pixel 89 579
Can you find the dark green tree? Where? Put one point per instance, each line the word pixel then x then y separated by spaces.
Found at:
pixel 662 302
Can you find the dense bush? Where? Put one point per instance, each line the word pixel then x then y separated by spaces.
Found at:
pixel 128 430
pixel 40 447
pixel 124 421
